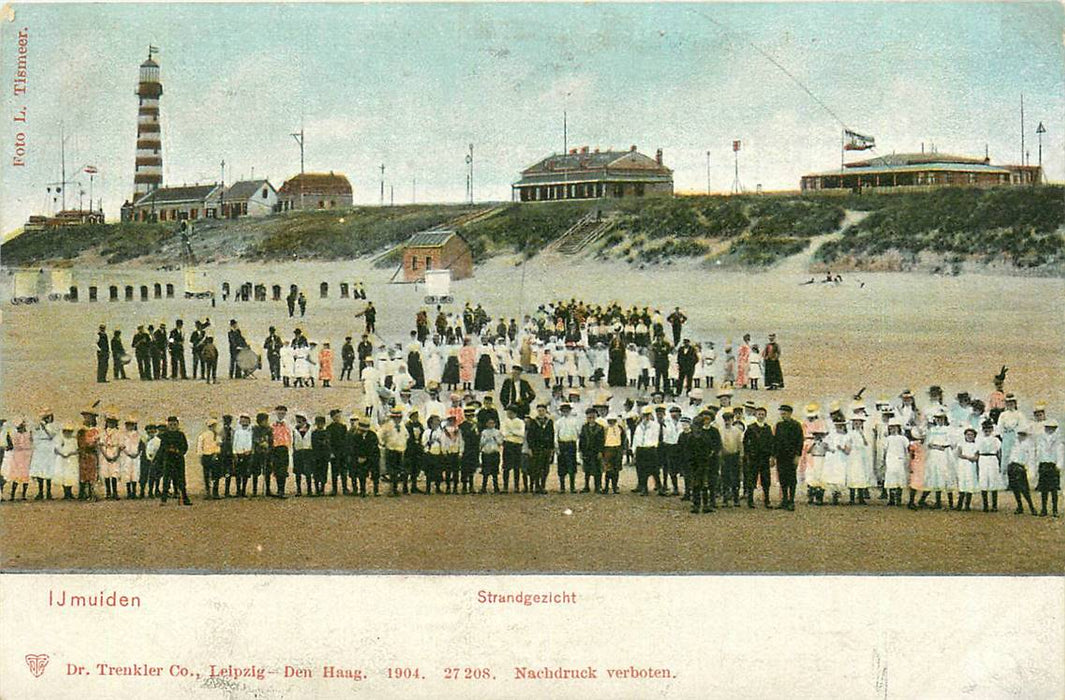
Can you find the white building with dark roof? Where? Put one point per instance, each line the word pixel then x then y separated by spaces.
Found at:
pixel 249 198
pixel 921 170
pixel 189 202
pixel 584 174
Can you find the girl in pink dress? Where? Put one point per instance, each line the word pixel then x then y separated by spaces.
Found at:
pixel 547 366
pixel 467 359
pixel 743 358
pixel 17 457
pixel 325 364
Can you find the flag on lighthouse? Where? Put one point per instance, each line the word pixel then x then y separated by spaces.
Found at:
pixel 736 146
pixel 91 169
pixel 853 141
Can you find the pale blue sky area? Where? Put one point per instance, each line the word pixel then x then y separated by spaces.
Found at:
pixel 411 86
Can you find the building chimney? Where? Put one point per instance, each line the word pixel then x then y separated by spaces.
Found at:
pixel 632 148
pixel 573 151
pixel 658 156
pixel 584 149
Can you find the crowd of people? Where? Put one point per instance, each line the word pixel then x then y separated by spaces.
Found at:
pixel 685 441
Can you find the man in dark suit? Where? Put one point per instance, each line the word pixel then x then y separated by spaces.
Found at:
pixel 236 344
pixel 518 392
pixel 159 352
pixel 540 435
pixel 272 346
pixel 172 448
pixel 103 354
pixel 758 447
pixel 787 448
pixel 177 351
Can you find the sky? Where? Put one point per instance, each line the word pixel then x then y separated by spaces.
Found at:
pixel 411 86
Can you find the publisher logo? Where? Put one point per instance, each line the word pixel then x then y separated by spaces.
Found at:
pixel 36 663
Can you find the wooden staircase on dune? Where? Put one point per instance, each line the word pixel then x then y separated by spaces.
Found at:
pixel 582 234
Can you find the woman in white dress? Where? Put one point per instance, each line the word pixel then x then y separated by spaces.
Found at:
pixel 837 450
pixel 569 364
pixel 896 461
pixel 815 465
pixel 129 462
pixel 937 444
pixel 859 459
pixel 754 367
pixel 301 366
pixel 66 460
pixel 988 465
pixel 584 364
pixel 287 363
pixel 42 463
pixel 434 365
pixel 966 459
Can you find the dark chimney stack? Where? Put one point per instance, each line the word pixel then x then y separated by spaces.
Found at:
pixel 632 148
pixel 658 156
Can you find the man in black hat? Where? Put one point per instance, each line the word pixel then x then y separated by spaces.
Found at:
pixel 676 321
pixel 118 350
pixel 758 448
pixel 540 436
pixel 347 357
pixel 236 344
pixel 365 352
pixel 159 352
pixel 196 339
pixel 172 448
pixel 338 446
pixel 142 343
pixel 687 358
pixel 704 453
pixel 177 351
pixel 272 346
pixel 517 391
pixel 103 355
pixel 591 442
pixel 787 448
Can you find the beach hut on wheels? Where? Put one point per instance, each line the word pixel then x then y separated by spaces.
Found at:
pixel 437 250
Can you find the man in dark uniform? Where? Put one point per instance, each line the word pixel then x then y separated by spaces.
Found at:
pixel 787 448
pixel 676 321
pixel 236 344
pixel 758 448
pixel 488 411
pixel 172 448
pixel 590 443
pixel 540 436
pixel 158 351
pixel 471 446
pixel 412 456
pixel 365 350
pixel 103 355
pixel 347 357
pixel 272 346
pixel 517 391
pixel 142 343
pixel 291 301
pixel 196 339
pixel 365 455
pixel 118 350
pixel 371 317
pixel 687 358
pixel 704 451
pixel 177 351
pixel 338 445
pixel 660 353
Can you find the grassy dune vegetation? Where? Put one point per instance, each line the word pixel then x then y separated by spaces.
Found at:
pixel 1015 228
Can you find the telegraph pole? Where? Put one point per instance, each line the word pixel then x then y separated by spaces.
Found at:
pixel 222 192
pixel 414 190
pixel 469 175
pixel 1039 131
pixel 1022 128
pixel 382 184
pixel 708 172
pixel 736 186
pixel 299 139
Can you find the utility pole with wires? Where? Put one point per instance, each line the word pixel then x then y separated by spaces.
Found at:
pixel 1039 131
pixel 414 189
pixel 382 202
pixel 222 192
pixel 299 139
pixel 708 172
pixel 737 188
pixel 469 175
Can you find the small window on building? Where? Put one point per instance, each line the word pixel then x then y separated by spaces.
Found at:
pixel 144 292
pixel 344 290
pixel 428 263
pixel 112 292
pixel 158 290
pixel 413 263
pixel 92 293
pixel 266 193
pixel 129 292
pixel 169 291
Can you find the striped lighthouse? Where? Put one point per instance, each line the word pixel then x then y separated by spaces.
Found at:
pixel 148 171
